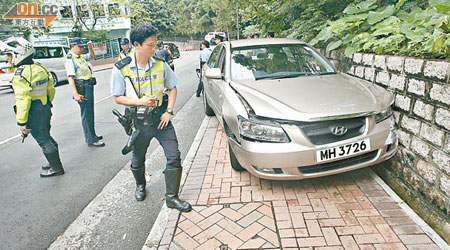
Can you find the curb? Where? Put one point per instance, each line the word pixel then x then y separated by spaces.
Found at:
pixel 157 231
pixel 411 214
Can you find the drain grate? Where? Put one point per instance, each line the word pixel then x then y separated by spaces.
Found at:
pixel 224 247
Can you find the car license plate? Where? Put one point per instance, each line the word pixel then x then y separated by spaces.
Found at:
pixel 343 150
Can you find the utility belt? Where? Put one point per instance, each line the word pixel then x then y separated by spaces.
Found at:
pixel 80 82
pixel 91 81
pixel 148 115
pixel 140 116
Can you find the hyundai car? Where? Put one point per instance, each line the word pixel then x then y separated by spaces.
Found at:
pixel 289 114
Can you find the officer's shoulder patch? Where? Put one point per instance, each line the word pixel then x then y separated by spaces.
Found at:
pixel 18 71
pixel 120 64
pixel 158 58
pixel 69 56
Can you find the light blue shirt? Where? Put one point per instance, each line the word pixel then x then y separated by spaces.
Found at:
pixel 205 54
pixel 70 66
pixel 117 81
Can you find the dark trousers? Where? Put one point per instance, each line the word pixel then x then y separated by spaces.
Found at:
pixel 166 138
pixel 199 87
pixel 39 122
pixel 200 83
pixel 87 113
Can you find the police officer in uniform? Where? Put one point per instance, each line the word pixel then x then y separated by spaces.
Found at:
pixel 79 75
pixel 148 76
pixel 204 56
pixel 34 92
pixel 126 48
pixel 218 39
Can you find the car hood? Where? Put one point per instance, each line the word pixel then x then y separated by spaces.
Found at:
pixel 310 98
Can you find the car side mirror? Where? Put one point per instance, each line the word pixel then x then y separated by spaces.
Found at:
pixel 214 73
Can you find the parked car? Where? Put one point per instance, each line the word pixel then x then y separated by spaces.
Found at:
pixel 51 56
pixel 174 50
pixel 289 114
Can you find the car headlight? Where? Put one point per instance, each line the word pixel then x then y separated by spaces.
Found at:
pixel 383 115
pixel 260 130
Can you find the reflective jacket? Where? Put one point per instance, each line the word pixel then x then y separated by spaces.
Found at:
pixel 82 70
pixel 150 83
pixel 30 83
pixel 122 55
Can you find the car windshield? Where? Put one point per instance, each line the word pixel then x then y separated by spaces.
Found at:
pixel 275 61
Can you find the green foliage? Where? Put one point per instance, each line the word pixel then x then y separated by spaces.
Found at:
pixel 138 14
pixel 160 14
pixel 390 30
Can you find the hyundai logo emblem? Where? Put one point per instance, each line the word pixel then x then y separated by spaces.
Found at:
pixel 339 130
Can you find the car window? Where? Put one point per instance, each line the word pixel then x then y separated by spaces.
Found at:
pixel 48 52
pixel 214 57
pixel 221 61
pixel 277 61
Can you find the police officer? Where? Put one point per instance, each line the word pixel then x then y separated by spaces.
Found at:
pixel 148 76
pixel 204 56
pixel 218 39
pixel 79 75
pixel 161 52
pixel 34 92
pixel 126 48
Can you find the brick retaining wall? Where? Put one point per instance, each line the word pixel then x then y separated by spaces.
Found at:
pixel 420 172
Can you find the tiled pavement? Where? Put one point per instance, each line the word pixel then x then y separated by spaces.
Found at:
pixel 234 210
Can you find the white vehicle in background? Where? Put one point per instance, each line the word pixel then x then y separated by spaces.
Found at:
pixel 210 36
pixel 50 56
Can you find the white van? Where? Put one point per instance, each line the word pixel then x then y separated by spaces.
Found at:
pixel 51 56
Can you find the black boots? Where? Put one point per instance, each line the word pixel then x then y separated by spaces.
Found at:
pixel 139 176
pixel 56 167
pixel 173 178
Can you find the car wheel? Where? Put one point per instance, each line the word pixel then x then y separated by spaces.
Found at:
pixel 55 79
pixel 208 109
pixel 234 162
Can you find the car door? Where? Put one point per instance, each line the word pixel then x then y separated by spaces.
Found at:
pixel 221 84
pixel 211 88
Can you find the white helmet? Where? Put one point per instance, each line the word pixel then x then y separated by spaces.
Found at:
pixel 19 47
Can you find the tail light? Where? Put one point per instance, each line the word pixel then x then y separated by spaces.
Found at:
pixel 1 71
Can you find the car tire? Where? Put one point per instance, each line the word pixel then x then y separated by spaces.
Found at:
pixel 55 79
pixel 234 162
pixel 208 109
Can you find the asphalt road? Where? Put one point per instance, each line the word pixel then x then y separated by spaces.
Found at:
pixel 34 211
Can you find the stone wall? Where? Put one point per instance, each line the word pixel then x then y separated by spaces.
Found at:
pixel 420 172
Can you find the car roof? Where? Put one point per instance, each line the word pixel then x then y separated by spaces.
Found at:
pixel 263 41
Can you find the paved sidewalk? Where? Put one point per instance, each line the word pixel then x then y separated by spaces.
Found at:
pixel 234 210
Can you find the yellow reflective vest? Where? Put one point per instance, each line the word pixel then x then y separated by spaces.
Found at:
pixel 150 83
pixel 122 55
pixel 30 83
pixel 82 70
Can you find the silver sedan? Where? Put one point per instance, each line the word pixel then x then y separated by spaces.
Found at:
pixel 289 114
